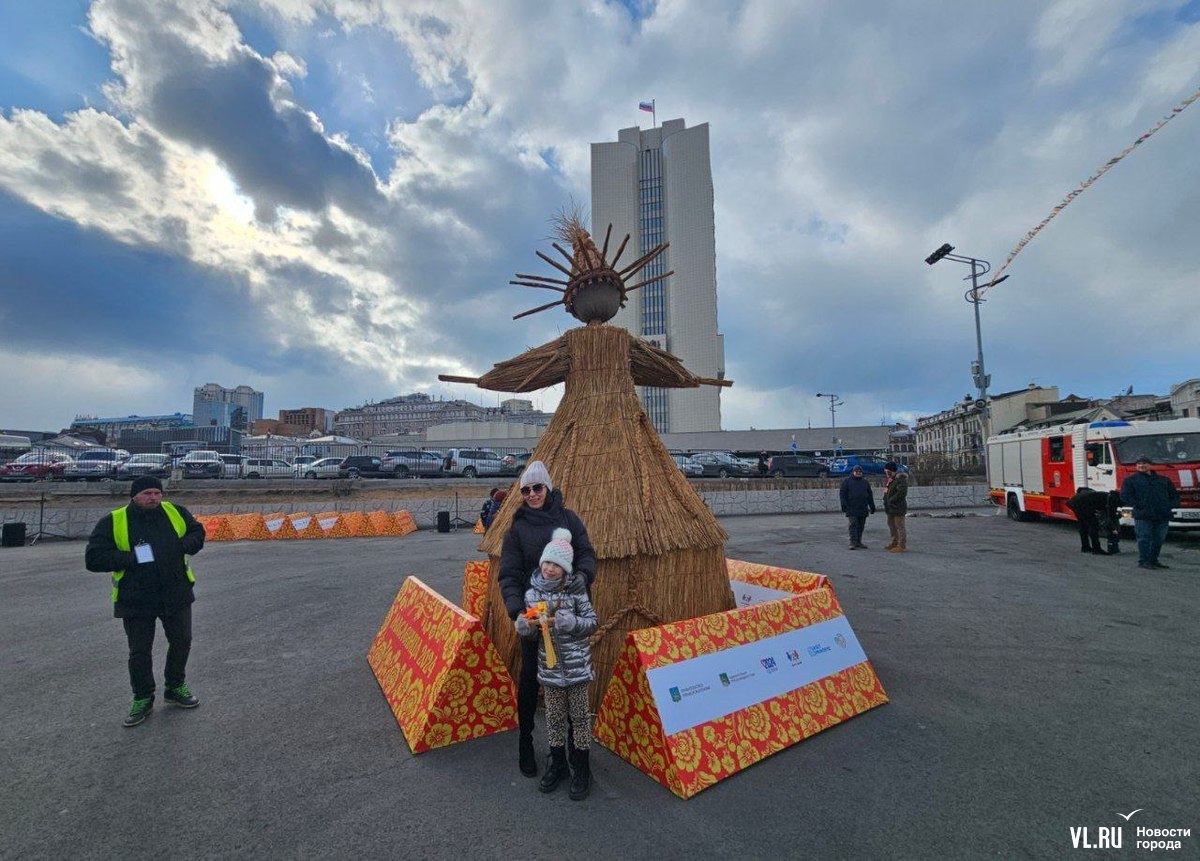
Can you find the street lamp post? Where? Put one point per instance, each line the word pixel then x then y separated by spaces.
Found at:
pixel 978 372
pixel 834 403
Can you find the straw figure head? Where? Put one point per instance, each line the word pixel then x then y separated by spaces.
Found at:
pixel 594 289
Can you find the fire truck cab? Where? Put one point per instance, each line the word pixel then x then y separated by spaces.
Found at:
pixel 1035 472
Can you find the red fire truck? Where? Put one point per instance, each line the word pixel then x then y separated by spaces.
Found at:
pixel 1035 472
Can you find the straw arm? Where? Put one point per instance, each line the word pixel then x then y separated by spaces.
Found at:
pixel 554 263
pixel 607 234
pixel 534 284
pixel 642 261
pixel 543 279
pixel 643 283
pixel 538 308
pixel 451 378
pixel 620 249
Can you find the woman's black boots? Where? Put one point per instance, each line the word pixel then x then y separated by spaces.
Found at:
pixel 556 770
pixel 528 757
pixel 581 776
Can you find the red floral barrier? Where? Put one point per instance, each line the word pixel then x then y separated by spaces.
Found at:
pixel 441 675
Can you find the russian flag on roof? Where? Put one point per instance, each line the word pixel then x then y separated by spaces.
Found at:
pixel 648 107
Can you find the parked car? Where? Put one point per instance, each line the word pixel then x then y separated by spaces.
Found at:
pixel 514 464
pixel 202 463
pixel 361 466
pixel 796 466
pixel 235 465
pixel 157 465
pixel 471 462
pixel 266 467
pixel 871 465
pixel 35 465
pixel 688 466
pixel 409 462
pixel 722 465
pixel 304 460
pixel 96 464
pixel 326 467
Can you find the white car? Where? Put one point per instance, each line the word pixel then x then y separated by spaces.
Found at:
pixel 326 467
pixel 265 467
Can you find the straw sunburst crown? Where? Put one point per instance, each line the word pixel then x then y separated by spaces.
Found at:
pixel 594 289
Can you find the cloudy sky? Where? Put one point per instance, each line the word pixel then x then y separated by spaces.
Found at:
pixel 325 199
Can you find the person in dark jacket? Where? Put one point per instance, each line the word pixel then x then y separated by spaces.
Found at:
pixel 1111 524
pixel 762 464
pixel 895 506
pixel 146 546
pixel 493 506
pixel 858 501
pixel 1087 505
pixel 1152 496
pixel 542 511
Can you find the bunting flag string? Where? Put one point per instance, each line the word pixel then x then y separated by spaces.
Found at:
pixel 1107 166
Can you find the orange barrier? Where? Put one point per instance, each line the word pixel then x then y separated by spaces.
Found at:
pixel 216 528
pixel 280 526
pixel 306 525
pixel 475 587
pixel 441 675
pixel 404 522
pixel 249 527
pixel 332 525
pixel 358 525
pixel 384 523
pixel 479 530
pixel 689 676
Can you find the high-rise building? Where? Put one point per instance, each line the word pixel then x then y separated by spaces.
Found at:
pixel 213 404
pixel 656 185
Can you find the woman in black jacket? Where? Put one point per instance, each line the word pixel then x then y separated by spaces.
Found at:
pixel 542 511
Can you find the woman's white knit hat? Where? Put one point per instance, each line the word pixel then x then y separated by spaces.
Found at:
pixel 536 473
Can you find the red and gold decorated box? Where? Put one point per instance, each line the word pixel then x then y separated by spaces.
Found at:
pixel 475 587
pixel 441 675
pixel 694 702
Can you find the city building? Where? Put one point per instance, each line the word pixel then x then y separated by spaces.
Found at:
pixel 181 440
pixel 1185 398
pixel 213 404
pixel 656 186
pixel 407 414
pixel 956 434
pixel 308 418
pixel 112 428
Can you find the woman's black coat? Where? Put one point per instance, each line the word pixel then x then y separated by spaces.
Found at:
pixel 528 537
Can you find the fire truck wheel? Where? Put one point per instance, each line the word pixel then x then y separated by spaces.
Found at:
pixel 1015 513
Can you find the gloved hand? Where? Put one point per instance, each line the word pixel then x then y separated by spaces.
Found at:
pixel 564 621
pixel 524 629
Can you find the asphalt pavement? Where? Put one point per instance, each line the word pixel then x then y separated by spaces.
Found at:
pixel 1033 690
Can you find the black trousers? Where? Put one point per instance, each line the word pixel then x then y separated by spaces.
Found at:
pixel 527 686
pixel 178 628
pixel 856 527
pixel 1089 531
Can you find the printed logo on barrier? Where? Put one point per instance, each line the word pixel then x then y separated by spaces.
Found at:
pixel 1113 836
pixel 840 640
pixel 675 695
pixel 793 655
pixel 816 649
pixel 769 664
pixel 725 679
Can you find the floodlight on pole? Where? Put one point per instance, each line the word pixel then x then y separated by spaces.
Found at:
pixel 978 373
pixel 834 403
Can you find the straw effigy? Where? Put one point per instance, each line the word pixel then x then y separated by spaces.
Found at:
pixel 660 551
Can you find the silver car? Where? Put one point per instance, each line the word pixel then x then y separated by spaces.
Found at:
pixel 326 467
pixel 688 466
pixel 472 462
pixel 158 465
pixel 97 464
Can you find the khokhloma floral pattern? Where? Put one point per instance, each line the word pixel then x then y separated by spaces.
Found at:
pixel 696 758
pixel 441 675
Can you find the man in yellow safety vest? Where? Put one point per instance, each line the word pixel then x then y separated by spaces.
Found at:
pixel 146 545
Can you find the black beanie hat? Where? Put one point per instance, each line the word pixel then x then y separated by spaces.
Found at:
pixel 143 482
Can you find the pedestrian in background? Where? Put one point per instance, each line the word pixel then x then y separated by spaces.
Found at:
pixel 146 545
pixel 492 507
pixel 1088 505
pixel 858 502
pixel 762 464
pixel 1153 497
pixel 895 506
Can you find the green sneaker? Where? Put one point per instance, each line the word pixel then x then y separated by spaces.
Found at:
pixel 181 696
pixel 139 711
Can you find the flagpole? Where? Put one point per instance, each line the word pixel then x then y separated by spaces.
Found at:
pixel 654 112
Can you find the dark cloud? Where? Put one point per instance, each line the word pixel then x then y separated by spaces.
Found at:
pixel 275 150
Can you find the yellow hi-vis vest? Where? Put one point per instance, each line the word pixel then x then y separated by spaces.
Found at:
pixel 121 538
